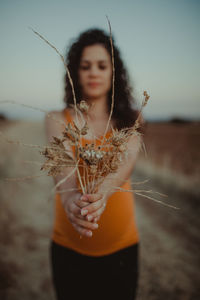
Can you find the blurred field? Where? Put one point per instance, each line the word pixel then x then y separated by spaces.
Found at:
pixel 169 249
pixel 179 142
pixel 173 154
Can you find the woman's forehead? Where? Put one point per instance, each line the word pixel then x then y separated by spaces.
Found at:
pixel 95 52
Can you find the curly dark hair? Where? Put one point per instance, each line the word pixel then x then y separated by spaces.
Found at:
pixel 124 114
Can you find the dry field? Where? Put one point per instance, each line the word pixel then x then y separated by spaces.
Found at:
pixel 169 249
pixel 173 154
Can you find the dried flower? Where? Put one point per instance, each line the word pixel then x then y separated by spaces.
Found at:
pixel 83 106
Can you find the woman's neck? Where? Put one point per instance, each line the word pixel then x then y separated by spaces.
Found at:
pixel 98 109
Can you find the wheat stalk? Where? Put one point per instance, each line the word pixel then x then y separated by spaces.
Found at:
pixel 113 81
pixel 66 67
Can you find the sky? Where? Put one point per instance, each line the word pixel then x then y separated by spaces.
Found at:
pixel 159 42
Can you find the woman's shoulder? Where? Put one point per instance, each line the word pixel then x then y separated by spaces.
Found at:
pixel 52 116
pixel 54 123
pixel 56 117
pixel 54 113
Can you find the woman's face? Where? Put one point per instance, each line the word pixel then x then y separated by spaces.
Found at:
pixel 95 72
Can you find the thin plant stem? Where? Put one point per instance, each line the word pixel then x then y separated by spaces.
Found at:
pixel 148 197
pixel 20 143
pixel 34 108
pixel 63 60
pixel 79 177
pixel 22 178
pixel 113 82
pixel 64 179
pixel 85 185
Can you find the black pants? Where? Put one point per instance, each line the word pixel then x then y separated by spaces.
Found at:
pixel 78 276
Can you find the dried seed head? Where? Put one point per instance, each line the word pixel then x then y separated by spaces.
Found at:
pixel 119 137
pixel 146 98
pixel 136 125
pixel 116 141
pixel 100 154
pixel 83 106
pixel 90 155
pixel 93 169
pixel 113 166
pixel 84 130
pixel 57 157
pixel 122 148
pixel 71 133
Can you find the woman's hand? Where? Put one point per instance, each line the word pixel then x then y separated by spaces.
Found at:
pixel 96 206
pixel 74 207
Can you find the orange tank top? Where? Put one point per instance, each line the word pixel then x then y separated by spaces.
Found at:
pixel 117 225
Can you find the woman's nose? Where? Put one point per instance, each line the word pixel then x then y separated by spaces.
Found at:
pixel 94 71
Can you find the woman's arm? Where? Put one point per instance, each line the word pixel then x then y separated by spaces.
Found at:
pixel 71 199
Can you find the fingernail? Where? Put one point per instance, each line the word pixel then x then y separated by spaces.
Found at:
pixel 89 233
pixel 84 212
pixel 89 218
pixel 96 225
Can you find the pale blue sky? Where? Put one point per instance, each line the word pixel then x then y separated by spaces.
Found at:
pixel 158 39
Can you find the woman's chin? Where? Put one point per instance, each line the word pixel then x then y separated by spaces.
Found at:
pixel 93 96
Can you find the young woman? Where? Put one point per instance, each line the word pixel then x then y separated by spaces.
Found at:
pixel 94 249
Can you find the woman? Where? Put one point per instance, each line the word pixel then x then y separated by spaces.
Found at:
pixel 94 248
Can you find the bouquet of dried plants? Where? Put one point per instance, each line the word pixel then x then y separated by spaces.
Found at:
pixel 92 162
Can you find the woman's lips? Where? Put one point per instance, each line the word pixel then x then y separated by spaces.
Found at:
pixel 93 84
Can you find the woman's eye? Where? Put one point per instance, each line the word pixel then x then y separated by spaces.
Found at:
pixel 102 67
pixel 84 67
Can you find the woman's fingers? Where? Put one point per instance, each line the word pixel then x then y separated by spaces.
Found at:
pixel 81 203
pixel 76 209
pixel 91 207
pixel 95 215
pixel 73 209
pixel 93 197
pixel 83 223
pixel 96 219
pixel 86 224
pixel 88 212
pixel 82 230
pixel 89 198
pixel 86 199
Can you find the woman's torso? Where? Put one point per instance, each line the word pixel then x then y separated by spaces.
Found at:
pixel 117 225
